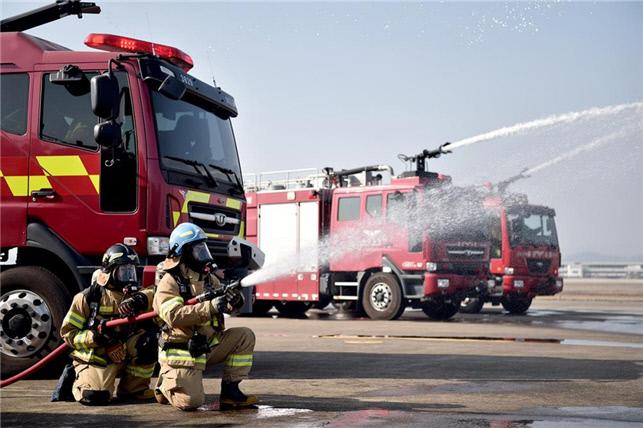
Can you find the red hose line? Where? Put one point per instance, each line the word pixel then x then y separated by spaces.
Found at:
pixel 63 348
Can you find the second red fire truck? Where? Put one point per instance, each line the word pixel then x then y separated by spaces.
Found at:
pixel 525 255
pixel 354 242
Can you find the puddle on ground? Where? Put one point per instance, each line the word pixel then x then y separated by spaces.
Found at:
pixel 259 411
pixel 579 342
pixel 613 324
pixel 376 339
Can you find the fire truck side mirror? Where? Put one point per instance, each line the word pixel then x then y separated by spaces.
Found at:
pixel 172 88
pixel 104 96
pixel 108 134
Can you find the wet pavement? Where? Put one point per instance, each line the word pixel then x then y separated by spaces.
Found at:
pixel 570 362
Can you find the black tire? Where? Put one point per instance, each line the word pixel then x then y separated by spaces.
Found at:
pixel 293 309
pixel 262 307
pixel 515 304
pixel 382 297
pixel 471 305
pixel 324 300
pixel 441 310
pixel 35 303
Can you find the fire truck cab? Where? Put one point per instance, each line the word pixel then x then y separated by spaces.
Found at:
pixel 525 255
pixel 97 147
pixel 355 241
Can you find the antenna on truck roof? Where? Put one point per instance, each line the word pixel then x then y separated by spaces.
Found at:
pixel 45 14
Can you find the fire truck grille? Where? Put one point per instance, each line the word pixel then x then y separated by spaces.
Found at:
pixel 465 253
pixel 213 219
pixel 218 249
pixel 538 265
pixel 466 268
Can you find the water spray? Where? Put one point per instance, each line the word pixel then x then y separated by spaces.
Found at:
pixel 566 118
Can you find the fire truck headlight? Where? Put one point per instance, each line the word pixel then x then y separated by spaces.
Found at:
pixel 509 271
pixel 431 267
pixel 443 283
pixel 158 246
pixel 559 283
pixel 519 283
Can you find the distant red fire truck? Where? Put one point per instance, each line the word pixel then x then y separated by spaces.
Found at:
pixel 114 145
pixel 409 268
pixel 525 256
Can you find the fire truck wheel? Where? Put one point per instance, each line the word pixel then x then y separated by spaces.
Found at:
pixel 382 297
pixel 440 310
pixel 262 307
pixel 292 309
pixel 515 304
pixel 471 305
pixel 32 307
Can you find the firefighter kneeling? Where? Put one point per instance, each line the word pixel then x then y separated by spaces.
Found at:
pixel 195 336
pixel 101 354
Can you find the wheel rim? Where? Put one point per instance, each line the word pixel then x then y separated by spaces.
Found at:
pixel 469 300
pixel 25 323
pixel 381 296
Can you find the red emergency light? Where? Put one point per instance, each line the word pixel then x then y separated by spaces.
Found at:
pixel 112 43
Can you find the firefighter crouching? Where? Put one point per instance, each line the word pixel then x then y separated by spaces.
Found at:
pixel 101 354
pixel 194 337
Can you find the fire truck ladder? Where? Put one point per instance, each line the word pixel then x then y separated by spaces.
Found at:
pixel 46 14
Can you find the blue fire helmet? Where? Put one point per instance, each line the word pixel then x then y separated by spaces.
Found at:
pixel 182 235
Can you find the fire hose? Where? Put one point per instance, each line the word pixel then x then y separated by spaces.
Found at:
pixel 111 324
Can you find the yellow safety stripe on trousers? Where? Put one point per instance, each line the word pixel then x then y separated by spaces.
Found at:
pixel 239 360
pixel 80 341
pixel 168 305
pixel 141 371
pixel 75 319
pixel 181 355
pixel 89 357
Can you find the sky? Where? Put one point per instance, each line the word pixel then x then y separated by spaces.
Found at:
pixel 348 84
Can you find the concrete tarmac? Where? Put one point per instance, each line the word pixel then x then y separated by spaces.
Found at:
pixel 574 360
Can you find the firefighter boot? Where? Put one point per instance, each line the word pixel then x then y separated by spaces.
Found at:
pixel 232 397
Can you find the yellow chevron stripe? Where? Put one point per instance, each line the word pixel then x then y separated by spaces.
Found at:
pixel 62 165
pixel 233 203
pixel 95 178
pixel 18 185
pixel 192 196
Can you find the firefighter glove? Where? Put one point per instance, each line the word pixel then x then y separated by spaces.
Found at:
pixel 220 305
pixel 134 304
pixel 117 353
pixel 234 297
pixel 102 334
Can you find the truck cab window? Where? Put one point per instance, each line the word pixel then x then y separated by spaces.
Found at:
pixel 348 209
pixel 374 205
pixel 14 102
pixel 66 116
pixel 118 172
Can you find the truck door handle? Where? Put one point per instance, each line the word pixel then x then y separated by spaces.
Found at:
pixel 43 194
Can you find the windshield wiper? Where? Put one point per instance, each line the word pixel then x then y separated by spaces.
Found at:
pixel 199 167
pixel 229 173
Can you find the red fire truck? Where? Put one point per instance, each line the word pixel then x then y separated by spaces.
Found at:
pixel 118 144
pixel 340 212
pixel 525 256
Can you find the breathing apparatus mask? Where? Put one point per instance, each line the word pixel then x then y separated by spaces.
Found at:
pixel 198 257
pixel 124 277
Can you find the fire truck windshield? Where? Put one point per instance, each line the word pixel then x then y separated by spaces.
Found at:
pixel 189 134
pixel 532 229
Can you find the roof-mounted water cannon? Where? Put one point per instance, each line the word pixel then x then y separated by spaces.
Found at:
pixel 502 186
pixel 45 14
pixel 420 159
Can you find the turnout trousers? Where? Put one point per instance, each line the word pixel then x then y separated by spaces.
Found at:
pixel 183 387
pixel 134 376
